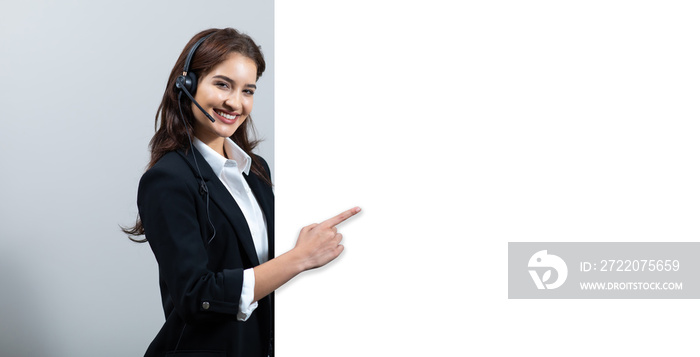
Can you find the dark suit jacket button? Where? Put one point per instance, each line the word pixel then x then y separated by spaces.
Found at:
pixel 205 305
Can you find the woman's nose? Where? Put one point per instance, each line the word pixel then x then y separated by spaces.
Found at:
pixel 234 101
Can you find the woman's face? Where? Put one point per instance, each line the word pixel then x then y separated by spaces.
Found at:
pixel 226 93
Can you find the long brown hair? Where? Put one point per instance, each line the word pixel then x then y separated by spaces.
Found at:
pixel 171 132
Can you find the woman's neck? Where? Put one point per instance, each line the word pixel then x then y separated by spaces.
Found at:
pixel 215 143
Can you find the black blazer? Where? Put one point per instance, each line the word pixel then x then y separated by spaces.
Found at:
pixel 200 282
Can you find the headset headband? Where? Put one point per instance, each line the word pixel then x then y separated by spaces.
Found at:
pixel 191 54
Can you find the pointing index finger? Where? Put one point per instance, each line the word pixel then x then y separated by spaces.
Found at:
pixel 334 221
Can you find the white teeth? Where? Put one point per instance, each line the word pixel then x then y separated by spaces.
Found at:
pixel 229 117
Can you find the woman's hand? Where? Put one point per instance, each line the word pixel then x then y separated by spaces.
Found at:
pixel 318 244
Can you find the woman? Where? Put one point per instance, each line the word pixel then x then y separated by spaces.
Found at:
pixel 206 207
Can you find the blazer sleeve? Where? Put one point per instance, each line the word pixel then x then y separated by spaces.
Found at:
pixel 168 209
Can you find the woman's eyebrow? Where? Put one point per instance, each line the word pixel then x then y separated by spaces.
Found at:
pixel 231 81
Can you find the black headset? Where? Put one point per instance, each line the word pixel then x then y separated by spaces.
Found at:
pixel 187 83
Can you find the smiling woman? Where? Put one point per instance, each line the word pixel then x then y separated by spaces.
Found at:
pixel 206 207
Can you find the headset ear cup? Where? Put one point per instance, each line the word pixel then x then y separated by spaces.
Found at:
pixel 191 83
pixel 188 83
pixel 180 82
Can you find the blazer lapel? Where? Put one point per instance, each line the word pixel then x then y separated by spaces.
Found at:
pixel 263 194
pixel 223 199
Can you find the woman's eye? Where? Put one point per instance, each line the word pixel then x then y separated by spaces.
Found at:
pixel 221 84
pixel 249 91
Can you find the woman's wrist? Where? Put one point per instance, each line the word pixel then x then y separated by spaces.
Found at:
pixel 295 261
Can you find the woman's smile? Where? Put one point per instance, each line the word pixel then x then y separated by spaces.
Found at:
pixel 227 118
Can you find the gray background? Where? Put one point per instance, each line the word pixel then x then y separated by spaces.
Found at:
pixel 81 84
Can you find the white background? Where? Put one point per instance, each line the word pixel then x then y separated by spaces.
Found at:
pixel 457 128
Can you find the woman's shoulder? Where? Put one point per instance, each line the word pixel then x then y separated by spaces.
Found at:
pixel 172 165
pixel 173 160
pixel 165 185
pixel 262 161
pixel 259 158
